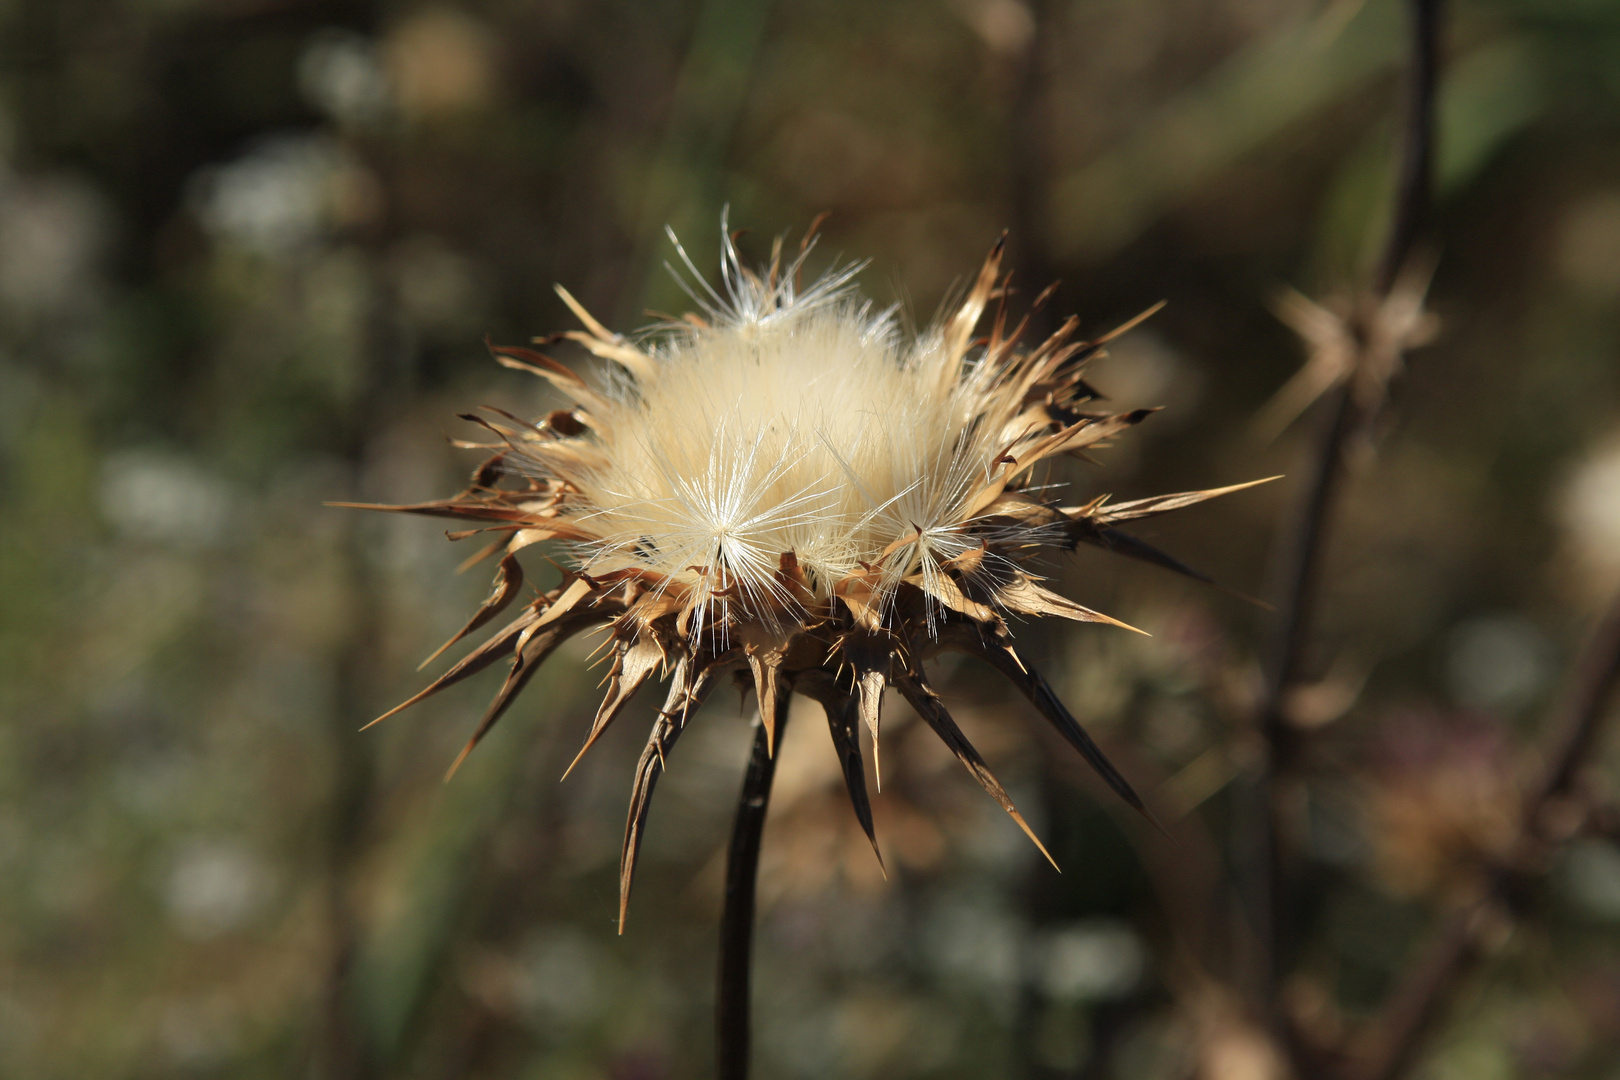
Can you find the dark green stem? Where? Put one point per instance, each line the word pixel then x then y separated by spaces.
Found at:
pixel 737 919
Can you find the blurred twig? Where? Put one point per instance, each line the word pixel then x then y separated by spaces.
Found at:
pixel 1595 683
pixel 1302 563
pixel 1398 1032
pixel 1417 157
pixel 343 1045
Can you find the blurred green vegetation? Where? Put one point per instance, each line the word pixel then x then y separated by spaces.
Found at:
pixel 248 251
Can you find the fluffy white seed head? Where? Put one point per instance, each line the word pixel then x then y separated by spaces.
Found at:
pixel 784 422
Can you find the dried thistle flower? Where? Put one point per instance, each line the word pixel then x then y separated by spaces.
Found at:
pixel 784 488
pixel 1361 340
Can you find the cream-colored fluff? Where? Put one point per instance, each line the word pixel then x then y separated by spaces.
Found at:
pixel 787 422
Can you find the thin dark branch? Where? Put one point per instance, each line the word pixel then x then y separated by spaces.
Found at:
pixel 1302 560
pixel 1302 579
pixel 1596 682
pixel 1423 998
pixel 342 1046
pixel 1417 158
pixel 1413 1009
pixel 1412 197
pixel 1411 201
pixel 1399 1033
pixel 731 1005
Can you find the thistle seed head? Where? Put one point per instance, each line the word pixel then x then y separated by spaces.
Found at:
pixel 783 485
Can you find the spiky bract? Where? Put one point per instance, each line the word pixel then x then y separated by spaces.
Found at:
pixel 785 487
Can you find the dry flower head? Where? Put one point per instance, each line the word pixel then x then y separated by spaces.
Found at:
pixel 782 486
pixel 1361 341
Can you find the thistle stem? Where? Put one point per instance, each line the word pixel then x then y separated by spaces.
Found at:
pixel 1303 577
pixel 1412 193
pixel 1270 893
pixel 731 1005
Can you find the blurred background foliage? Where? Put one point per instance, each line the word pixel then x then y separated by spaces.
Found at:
pixel 248 251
